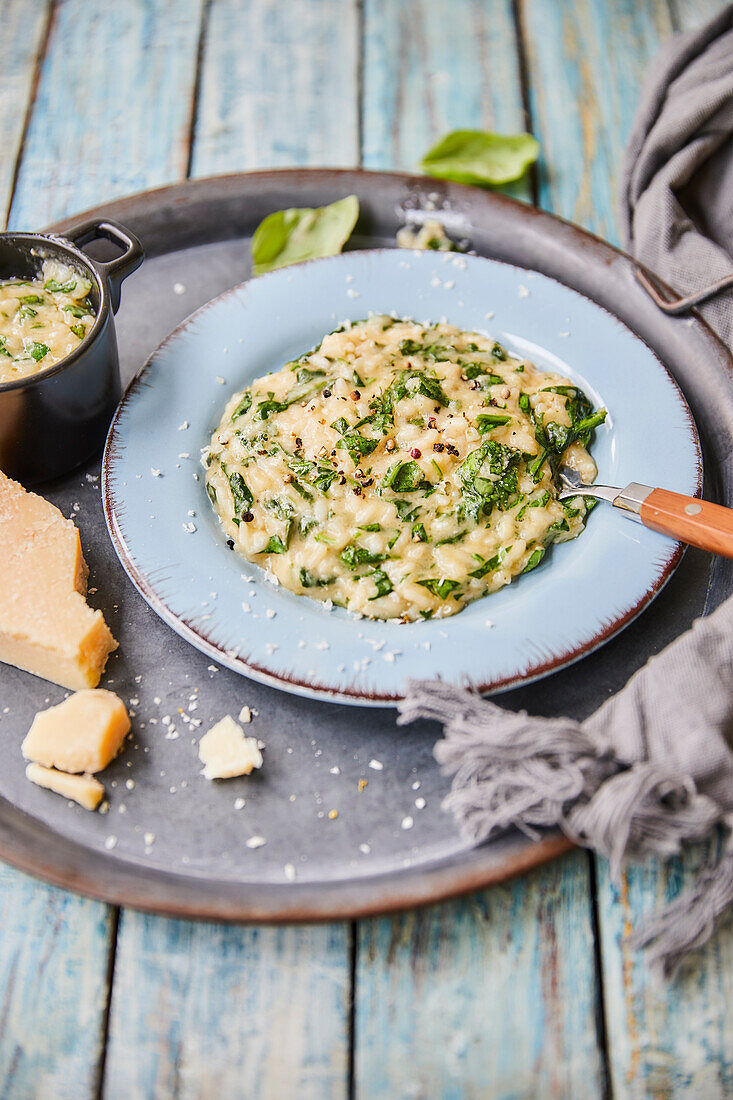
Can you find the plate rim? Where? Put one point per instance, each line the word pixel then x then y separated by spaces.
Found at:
pixel 666 564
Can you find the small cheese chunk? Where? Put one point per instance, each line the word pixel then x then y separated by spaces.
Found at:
pixel 226 752
pixel 46 626
pixel 84 789
pixel 82 734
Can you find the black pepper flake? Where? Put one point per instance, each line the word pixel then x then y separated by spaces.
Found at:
pixel 354 395
pixel 451 449
pixel 369 481
pixel 438 447
pixel 357 491
pixel 432 422
pixel 247 517
pixel 341 479
pixel 230 543
pixel 298 441
pixel 326 393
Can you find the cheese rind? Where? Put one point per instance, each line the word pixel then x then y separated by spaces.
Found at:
pixel 84 789
pixel 82 734
pixel 225 752
pixel 46 626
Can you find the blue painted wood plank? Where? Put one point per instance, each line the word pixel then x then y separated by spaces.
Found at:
pixel 201 1010
pixel 493 996
pixel 586 63
pixel 23 27
pixel 671 1040
pixel 53 990
pixel 431 66
pixel 113 106
pixel 278 86
pixel 205 1010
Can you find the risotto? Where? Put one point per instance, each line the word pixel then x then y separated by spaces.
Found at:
pixel 400 470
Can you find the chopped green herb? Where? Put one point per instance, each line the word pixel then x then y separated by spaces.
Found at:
pixel 33 300
pixel 38 351
pixel 56 287
pixel 534 559
pixel 418 533
pixel 79 330
pixel 354 556
pixel 485 422
pixel 244 405
pixel 441 588
pixel 490 565
pixel 276 545
pixel 405 477
pixel 383 583
pixel 489 477
pixel 241 495
pixel 309 580
pixel 370 527
pixel 3 349
pixel 458 537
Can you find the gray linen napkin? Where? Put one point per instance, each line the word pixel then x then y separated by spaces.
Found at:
pixel 652 767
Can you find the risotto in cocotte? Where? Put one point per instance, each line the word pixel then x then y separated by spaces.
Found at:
pixel 400 470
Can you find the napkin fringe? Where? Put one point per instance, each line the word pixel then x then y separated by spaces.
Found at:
pixel 512 770
pixel 689 921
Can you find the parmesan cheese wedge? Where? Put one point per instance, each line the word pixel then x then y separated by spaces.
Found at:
pixel 82 734
pixel 84 789
pixel 225 751
pixel 46 626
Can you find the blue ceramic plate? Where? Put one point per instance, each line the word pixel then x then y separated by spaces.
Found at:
pixel 169 541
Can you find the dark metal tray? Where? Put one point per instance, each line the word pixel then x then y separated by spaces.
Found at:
pixel 195 236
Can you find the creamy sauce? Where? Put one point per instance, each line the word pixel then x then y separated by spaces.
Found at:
pixel 42 320
pixel 400 470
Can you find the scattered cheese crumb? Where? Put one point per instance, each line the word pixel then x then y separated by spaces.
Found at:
pixel 420 803
pixel 238 803
pixel 333 814
pixel 156 473
pixel 362 784
pixel 289 872
pixel 407 823
pixel 365 849
pixel 376 764
pixel 255 842
pixel 110 843
pixel 245 715
pixel 523 292
pixel 225 752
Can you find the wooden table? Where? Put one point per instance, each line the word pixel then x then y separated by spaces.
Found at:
pixel 525 990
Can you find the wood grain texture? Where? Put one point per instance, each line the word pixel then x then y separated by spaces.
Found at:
pixel 664 1039
pixel 489 997
pixel 23 28
pixel 54 950
pixel 431 66
pixel 278 86
pixel 586 63
pixel 204 1010
pixel 112 110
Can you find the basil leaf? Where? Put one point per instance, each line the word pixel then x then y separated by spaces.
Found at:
pixel 441 588
pixel 480 157
pixel 291 236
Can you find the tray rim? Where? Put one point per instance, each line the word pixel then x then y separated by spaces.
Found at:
pixel 24 840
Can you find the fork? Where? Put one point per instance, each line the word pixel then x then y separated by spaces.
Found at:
pixel 697 522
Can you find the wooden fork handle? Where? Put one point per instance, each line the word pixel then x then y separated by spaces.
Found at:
pixel 697 522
